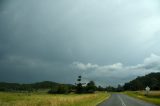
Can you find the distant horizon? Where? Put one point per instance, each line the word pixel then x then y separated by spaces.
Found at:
pixel 72 83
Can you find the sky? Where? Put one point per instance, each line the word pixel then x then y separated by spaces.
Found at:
pixel 108 41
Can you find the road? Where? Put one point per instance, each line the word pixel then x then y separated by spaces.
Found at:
pixel 124 100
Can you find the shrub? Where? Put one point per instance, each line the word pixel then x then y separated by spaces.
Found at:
pixel 59 90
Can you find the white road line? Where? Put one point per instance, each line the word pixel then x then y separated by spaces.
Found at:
pixel 123 104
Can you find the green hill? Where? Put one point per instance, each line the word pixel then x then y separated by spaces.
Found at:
pixel 5 86
pixel 152 80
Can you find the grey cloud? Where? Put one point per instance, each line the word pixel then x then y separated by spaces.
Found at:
pixel 42 38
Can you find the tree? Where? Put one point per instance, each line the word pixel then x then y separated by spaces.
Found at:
pixel 110 89
pixel 100 88
pixel 90 88
pixel 79 87
pixel 119 88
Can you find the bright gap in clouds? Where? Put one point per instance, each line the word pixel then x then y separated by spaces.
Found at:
pixel 117 73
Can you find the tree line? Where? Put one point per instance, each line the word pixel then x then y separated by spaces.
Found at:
pixel 152 80
pixel 16 87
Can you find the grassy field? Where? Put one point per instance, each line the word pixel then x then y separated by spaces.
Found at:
pixel 42 99
pixel 153 96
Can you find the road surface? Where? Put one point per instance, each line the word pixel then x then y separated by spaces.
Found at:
pixel 124 100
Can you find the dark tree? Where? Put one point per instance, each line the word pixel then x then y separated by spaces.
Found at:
pixel 119 88
pixel 110 89
pixel 79 87
pixel 79 79
pixel 99 88
pixel 91 88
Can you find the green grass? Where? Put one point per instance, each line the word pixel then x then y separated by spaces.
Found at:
pixel 43 99
pixel 153 97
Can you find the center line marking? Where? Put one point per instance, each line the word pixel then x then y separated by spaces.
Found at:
pixel 123 104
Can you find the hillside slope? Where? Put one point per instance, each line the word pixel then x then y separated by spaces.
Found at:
pixel 152 80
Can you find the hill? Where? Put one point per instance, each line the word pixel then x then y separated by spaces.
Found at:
pixel 5 86
pixel 152 80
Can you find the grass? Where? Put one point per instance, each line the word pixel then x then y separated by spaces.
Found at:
pixel 152 97
pixel 42 99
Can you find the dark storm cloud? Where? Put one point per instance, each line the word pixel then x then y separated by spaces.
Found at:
pixel 39 40
pixel 26 30
pixel 30 34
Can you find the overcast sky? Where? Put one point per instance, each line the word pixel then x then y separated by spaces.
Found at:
pixel 108 41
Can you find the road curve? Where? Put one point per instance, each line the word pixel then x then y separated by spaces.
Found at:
pixel 124 100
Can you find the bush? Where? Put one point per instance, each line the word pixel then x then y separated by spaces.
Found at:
pixel 59 90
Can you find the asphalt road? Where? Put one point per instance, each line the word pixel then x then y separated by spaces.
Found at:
pixel 124 100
